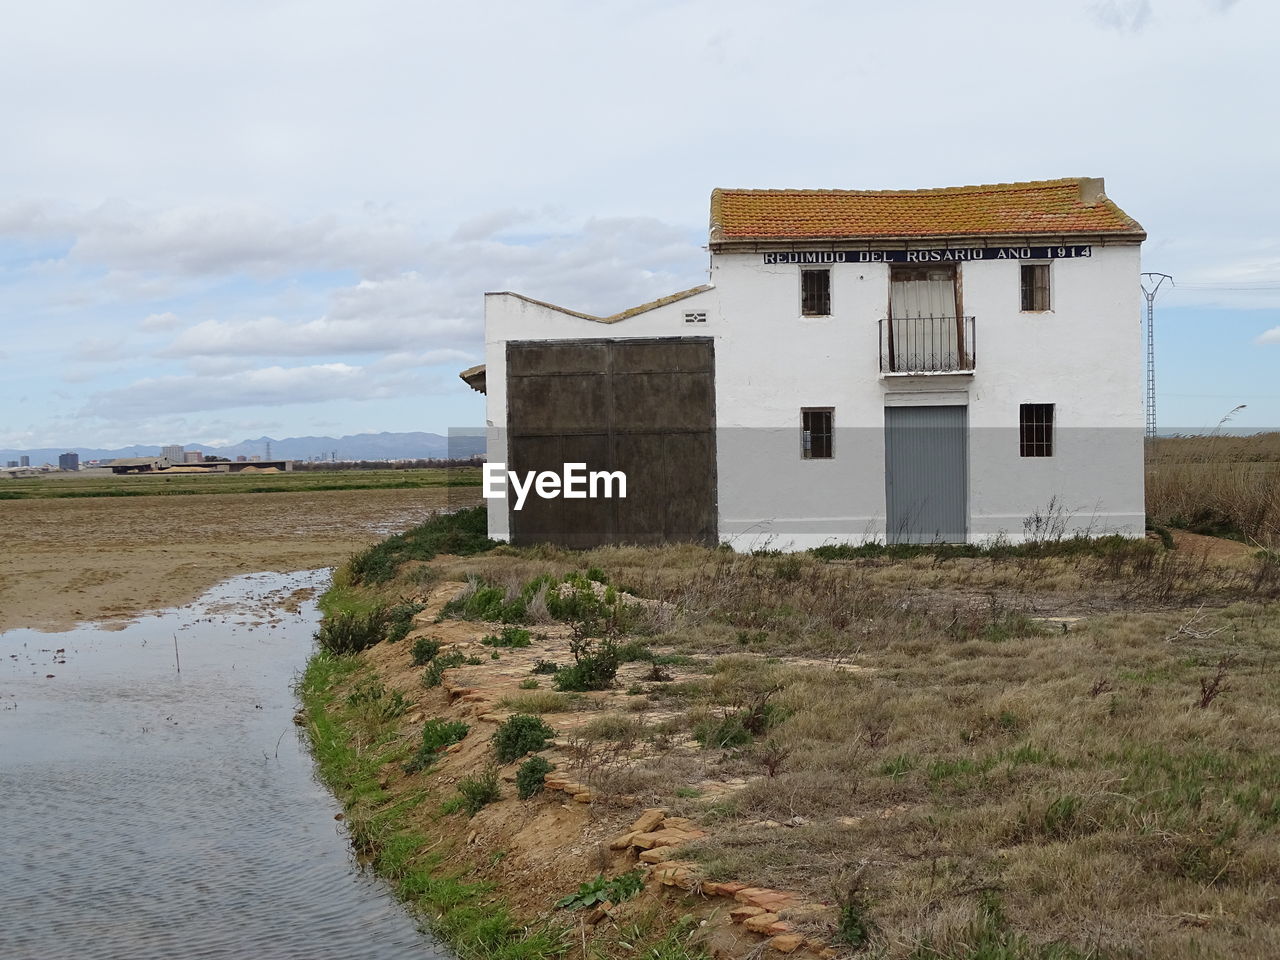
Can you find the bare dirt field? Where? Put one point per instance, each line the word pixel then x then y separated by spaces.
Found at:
pixel 112 558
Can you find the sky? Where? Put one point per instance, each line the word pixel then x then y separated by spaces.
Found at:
pixel 229 219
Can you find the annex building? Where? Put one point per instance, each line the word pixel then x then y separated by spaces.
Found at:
pixel 950 364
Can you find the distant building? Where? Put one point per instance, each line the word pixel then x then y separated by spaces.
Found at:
pixel 67 461
pixel 139 464
pixel 173 453
pixel 12 463
pixel 189 456
pixel 24 461
pixel 242 459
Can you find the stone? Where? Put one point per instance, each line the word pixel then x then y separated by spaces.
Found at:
pixel 648 820
pixel 729 889
pixel 623 841
pixel 741 914
pixel 747 895
pixel 453 748
pixel 677 823
pixel 761 922
pixel 586 796
pixel 665 838
pixel 787 942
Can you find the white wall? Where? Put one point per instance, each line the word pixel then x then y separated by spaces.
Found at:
pixel 1084 356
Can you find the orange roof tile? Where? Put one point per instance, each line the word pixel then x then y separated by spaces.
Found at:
pixel 1038 208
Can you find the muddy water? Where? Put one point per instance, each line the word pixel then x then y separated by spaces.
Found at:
pixel 151 813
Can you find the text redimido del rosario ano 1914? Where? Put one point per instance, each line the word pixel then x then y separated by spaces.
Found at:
pixel 574 482
pixel 929 256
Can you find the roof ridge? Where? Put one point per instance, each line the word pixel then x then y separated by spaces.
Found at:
pixel 967 188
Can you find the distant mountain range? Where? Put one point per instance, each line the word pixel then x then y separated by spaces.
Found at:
pixel 360 446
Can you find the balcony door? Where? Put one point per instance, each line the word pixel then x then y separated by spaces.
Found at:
pixel 925 327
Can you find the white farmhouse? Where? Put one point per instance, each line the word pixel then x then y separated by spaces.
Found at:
pixel 947 365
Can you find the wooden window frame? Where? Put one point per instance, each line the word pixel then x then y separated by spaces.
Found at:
pixel 1034 266
pixel 807 451
pixel 1035 429
pixel 815 270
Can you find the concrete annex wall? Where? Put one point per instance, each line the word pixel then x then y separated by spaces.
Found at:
pixel 1084 356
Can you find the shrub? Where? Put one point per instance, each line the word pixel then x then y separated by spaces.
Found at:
pixel 544 666
pixel 433 676
pixel 595 665
pixel 400 621
pixel 531 776
pixel 479 791
pixel 723 733
pixel 519 735
pixel 529 683
pixel 509 637
pixel 436 735
pixel 348 633
pixel 464 533
pixel 425 650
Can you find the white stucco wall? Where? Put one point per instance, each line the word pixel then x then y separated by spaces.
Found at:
pixel 1084 356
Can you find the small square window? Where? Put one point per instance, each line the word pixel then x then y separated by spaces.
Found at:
pixel 1035 287
pixel 1035 430
pixel 699 317
pixel 816 433
pixel 815 293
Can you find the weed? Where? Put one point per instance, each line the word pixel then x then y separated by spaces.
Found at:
pixel 509 637
pixel 544 666
pixel 531 776
pixel 436 735
pixel 520 734
pixel 529 683
pixel 462 533
pixel 771 755
pixel 1216 685
pixel 433 676
pixel 543 701
pixel 602 890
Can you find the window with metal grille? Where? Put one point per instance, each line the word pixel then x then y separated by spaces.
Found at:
pixel 1035 287
pixel 699 317
pixel 815 293
pixel 815 433
pixel 1035 430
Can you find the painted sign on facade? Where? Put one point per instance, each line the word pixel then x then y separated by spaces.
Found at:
pixel 929 256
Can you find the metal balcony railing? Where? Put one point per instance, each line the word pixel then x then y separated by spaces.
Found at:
pixel 926 345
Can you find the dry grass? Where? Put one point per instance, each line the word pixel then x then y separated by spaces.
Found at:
pixel 1217 485
pixel 914 721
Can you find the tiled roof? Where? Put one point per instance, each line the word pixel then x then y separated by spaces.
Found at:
pixel 1038 208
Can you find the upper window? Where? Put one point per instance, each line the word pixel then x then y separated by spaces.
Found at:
pixel 815 433
pixel 1035 430
pixel 815 293
pixel 1035 287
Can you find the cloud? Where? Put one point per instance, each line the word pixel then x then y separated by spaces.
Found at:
pixel 263 387
pixel 1269 336
pixel 1126 16
pixel 159 321
pixel 486 225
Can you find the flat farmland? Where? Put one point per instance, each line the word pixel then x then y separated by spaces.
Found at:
pixel 69 559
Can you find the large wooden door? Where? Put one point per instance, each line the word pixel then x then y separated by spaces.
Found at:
pixel 644 407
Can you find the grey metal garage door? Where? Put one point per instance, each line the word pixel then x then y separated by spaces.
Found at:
pixel 645 407
pixel 926 474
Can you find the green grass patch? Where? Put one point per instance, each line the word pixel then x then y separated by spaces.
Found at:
pixel 464 533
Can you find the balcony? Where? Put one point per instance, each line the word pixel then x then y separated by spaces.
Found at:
pixel 926 346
